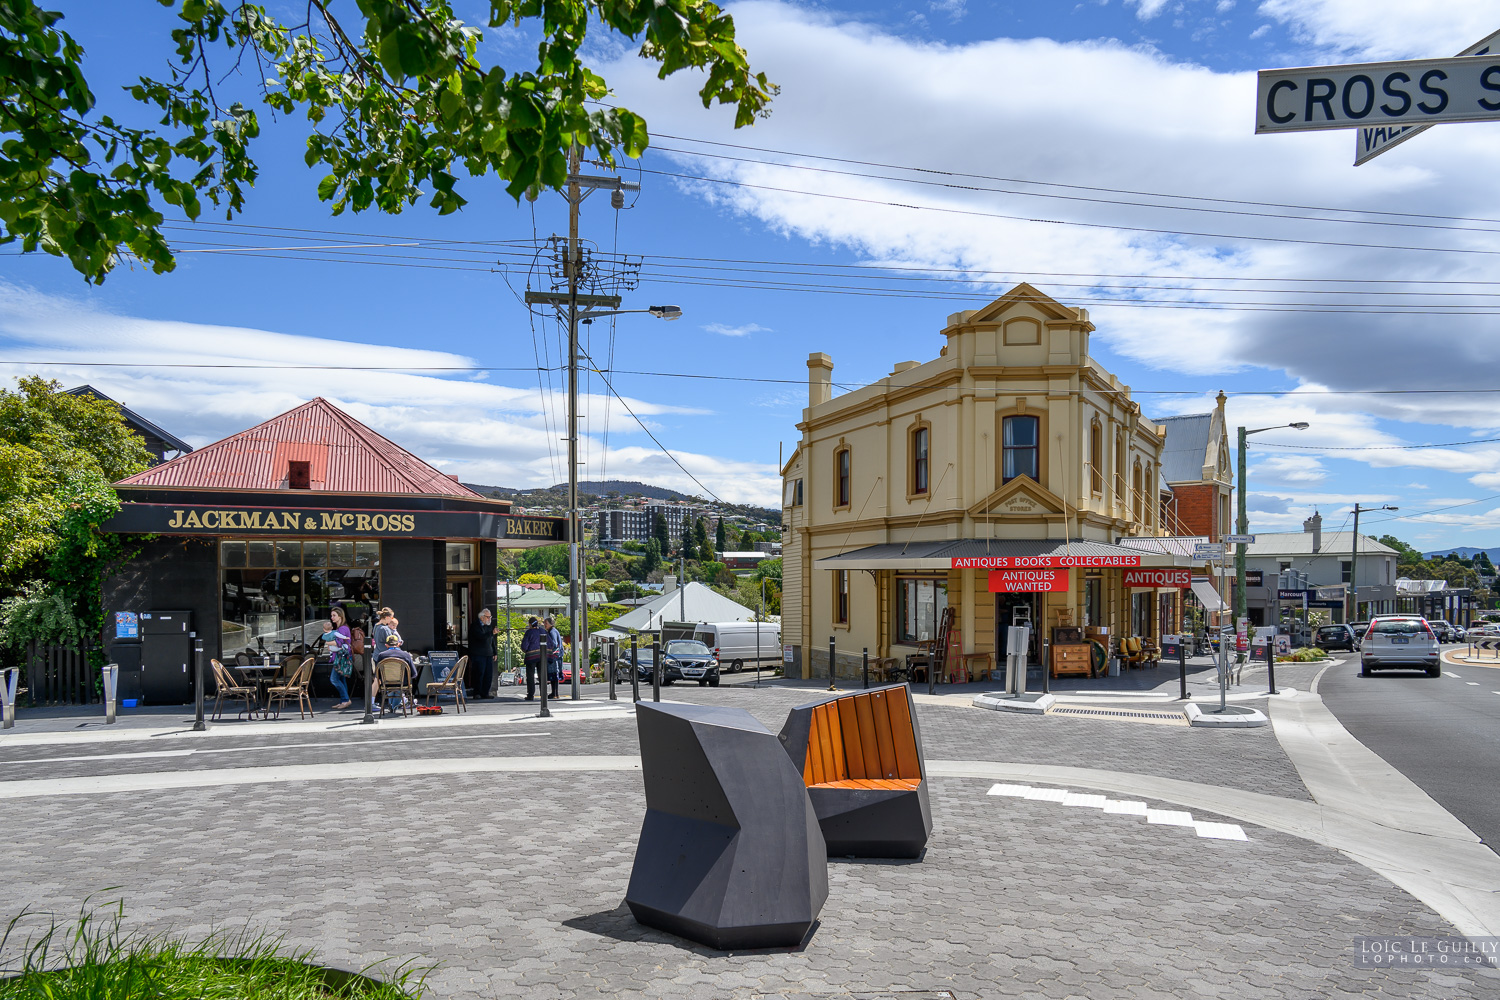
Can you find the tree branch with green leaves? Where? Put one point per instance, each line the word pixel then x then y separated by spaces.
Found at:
pixel 399 107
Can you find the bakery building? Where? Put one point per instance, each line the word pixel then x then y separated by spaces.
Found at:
pixel 1009 480
pixel 258 536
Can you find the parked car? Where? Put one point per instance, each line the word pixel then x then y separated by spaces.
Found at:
pixel 643 665
pixel 1400 642
pixel 689 660
pixel 1337 637
pixel 1443 630
pixel 734 643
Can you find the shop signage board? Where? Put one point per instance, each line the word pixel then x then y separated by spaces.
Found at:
pixel 1255 578
pixel 1179 577
pixel 1379 94
pixel 127 625
pixel 1294 595
pixel 1329 593
pixel 1028 581
pixel 296 522
pixel 1044 562
pixel 1371 142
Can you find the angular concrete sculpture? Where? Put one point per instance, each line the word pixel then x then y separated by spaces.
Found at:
pixel 730 853
pixel 860 756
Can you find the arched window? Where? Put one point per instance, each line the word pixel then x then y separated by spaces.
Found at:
pixel 1096 458
pixel 1020 448
pixel 1138 493
pixel 1119 480
pixel 841 468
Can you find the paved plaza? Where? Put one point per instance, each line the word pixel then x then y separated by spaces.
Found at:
pixel 496 848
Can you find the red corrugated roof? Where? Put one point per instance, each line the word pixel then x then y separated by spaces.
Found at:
pixel 343 455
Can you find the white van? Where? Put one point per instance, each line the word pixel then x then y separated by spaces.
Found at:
pixel 734 643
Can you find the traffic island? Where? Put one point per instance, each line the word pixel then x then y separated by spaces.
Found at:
pixel 1229 717
pixel 1030 703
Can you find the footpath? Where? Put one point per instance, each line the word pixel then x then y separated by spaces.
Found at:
pixel 1073 855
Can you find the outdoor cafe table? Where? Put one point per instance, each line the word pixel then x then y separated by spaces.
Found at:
pixel 261 675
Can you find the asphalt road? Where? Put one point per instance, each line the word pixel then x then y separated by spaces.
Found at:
pixel 1442 733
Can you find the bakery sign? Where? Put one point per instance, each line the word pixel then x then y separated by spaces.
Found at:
pixel 1028 581
pixel 1181 578
pixel 1043 562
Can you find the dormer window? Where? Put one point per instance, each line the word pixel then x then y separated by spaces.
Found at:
pixel 298 475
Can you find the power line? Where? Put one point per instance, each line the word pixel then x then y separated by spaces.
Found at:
pixel 654 438
pixel 1376 447
pixel 1435 510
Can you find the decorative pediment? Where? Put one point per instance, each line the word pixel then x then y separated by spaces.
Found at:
pixel 1021 496
pixel 1028 295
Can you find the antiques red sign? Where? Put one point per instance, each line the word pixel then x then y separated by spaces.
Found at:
pixel 1043 562
pixel 1028 581
pixel 1181 578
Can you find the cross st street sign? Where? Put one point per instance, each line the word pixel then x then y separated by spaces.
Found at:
pixel 1371 142
pixel 1361 95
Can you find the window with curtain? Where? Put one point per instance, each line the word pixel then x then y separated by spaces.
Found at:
pixel 841 478
pixel 919 460
pixel 1137 493
pixel 1020 448
pixel 1096 458
pixel 841 597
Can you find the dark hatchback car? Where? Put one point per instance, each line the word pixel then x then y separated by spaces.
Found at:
pixel 1337 637
pixel 689 660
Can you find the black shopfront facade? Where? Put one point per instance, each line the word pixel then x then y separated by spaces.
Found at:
pixel 256 571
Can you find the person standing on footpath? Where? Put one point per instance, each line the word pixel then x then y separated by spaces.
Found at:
pixel 482 654
pixel 552 640
pixel 343 663
pixel 531 652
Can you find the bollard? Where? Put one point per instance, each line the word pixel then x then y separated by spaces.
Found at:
pixel 111 688
pixel 543 670
pixel 369 664
pixel 655 670
pixel 832 655
pixel 635 670
pixel 612 647
pixel 1182 666
pixel 1046 667
pixel 9 679
pixel 1271 662
pixel 867 666
pixel 198 724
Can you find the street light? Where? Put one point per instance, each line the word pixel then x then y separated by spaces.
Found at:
pixel 1351 612
pixel 1242 525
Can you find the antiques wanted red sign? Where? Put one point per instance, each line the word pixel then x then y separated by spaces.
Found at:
pixel 1028 581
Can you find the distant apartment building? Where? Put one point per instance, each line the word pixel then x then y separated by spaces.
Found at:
pixel 634 524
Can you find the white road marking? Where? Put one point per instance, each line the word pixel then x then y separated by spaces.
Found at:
pixel 1449 673
pixel 1127 807
pixel 1472 683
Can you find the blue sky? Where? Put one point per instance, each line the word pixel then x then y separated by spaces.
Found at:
pixel 1140 96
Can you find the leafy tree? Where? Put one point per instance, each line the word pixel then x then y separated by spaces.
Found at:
pixel 721 538
pixel 685 542
pixel 769 569
pixel 547 580
pixel 700 539
pixel 629 590
pixel 398 104
pixel 651 562
pixel 548 559
pixel 660 533
pixel 1483 564
pixel 1405 554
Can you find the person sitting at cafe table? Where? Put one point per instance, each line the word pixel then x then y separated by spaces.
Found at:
pixel 393 651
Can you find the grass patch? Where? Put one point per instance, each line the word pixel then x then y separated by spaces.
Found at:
pixel 95 957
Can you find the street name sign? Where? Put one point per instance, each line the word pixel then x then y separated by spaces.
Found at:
pixel 1361 95
pixel 1371 142
pixel 1205 552
pixel 1239 539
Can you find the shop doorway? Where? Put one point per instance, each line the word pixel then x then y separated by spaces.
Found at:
pixel 462 605
pixel 1016 609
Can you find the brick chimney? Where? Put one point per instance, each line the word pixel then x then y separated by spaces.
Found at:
pixel 819 378
pixel 1314 524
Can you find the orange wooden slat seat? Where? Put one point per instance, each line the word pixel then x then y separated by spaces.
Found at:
pixel 862 741
pixel 900 784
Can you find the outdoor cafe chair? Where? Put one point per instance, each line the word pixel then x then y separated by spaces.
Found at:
pixel 233 689
pixel 295 687
pixel 395 680
pixel 452 684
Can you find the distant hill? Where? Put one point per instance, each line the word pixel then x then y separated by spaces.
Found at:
pixel 557 496
pixel 1464 551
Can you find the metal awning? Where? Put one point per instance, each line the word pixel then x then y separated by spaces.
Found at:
pixel 1206 593
pixel 940 554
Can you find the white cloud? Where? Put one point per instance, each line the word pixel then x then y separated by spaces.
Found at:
pixel 483 432
pixel 1298 469
pixel 1147 9
pixel 1387 29
pixel 743 330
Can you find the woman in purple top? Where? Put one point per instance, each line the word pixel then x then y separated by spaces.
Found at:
pixel 343 663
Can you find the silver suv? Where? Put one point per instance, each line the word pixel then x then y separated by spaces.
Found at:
pixel 1399 642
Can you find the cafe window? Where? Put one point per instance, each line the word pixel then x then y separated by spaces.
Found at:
pixel 919 460
pixel 919 608
pixel 1020 454
pixel 841 472
pixel 275 594
pixel 841 597
pixel 462 558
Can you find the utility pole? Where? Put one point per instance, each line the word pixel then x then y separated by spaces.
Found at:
pixel 1352 614
pixel 575 261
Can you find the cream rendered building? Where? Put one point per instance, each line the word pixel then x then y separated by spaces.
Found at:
pixel 1011 445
